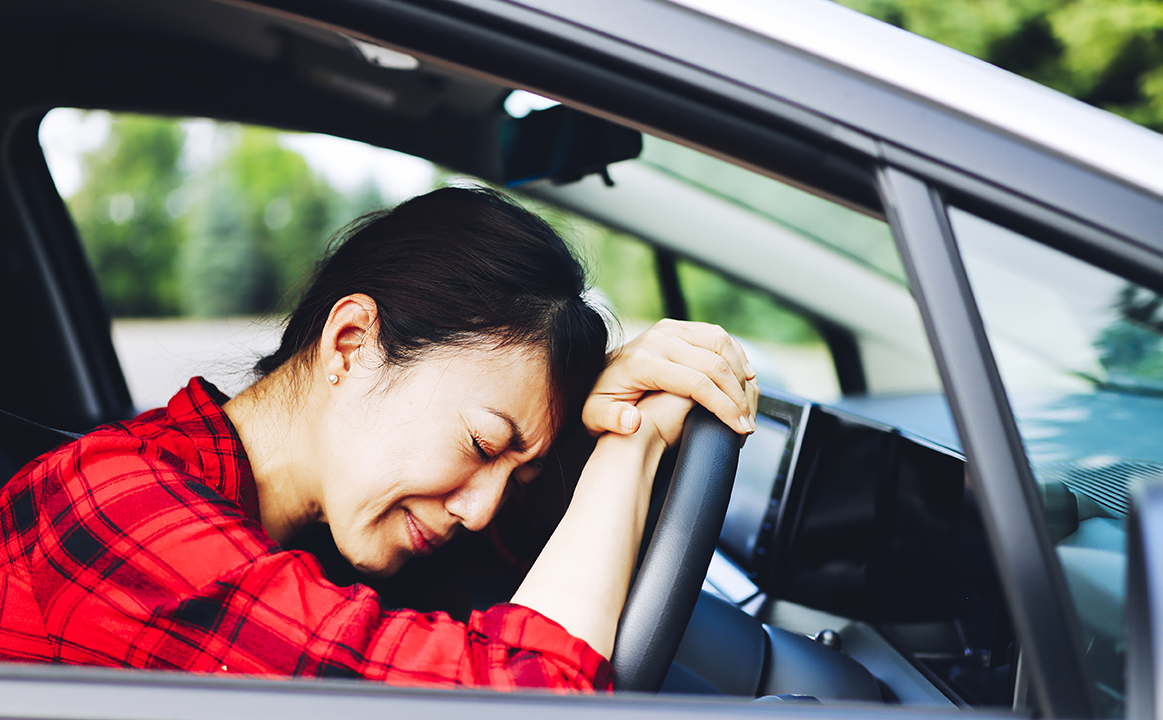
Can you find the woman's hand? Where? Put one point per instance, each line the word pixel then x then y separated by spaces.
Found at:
pixel 692 360
pixel 638 406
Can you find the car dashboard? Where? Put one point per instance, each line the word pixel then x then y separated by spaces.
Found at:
pixel 856 555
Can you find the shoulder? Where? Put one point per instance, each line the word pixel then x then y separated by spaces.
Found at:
pixel 132 488
pixel 147 445
pixel 117 463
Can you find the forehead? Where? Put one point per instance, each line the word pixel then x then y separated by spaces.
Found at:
pixel 508 382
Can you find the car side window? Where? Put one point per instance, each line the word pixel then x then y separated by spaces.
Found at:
pixel 201 234
pixel 784 347
pixel 1080 352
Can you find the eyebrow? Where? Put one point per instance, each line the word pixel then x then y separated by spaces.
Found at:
pixel 517 440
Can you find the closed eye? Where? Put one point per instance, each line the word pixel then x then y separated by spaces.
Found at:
pixel 484 455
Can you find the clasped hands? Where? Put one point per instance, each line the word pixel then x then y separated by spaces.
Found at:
pixel 654 380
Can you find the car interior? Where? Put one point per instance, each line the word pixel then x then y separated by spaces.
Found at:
pixel 852 564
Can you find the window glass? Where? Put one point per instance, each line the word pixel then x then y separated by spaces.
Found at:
pixel 808 251
pixel 1080 352
pixel 620 266
pixel 784 348
pixel 863 238
pixel 201 234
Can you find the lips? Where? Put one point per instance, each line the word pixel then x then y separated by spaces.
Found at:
pixel 424 540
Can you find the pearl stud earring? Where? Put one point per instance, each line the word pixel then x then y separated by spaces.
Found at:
pixel 333 379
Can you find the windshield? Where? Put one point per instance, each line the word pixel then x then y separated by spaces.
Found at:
pixel 1080 353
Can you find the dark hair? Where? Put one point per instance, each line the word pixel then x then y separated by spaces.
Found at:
pixel 455 267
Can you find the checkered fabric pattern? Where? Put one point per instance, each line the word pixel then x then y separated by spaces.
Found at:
pixel 140 546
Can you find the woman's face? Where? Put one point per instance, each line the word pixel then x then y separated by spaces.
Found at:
pixel 409 465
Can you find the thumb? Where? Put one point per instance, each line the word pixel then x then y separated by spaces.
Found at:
pixel 603 414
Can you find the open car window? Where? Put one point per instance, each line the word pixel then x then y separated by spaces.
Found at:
pixel 202 233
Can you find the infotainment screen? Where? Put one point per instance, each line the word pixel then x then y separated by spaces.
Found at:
pixel 882 527
pixel 759 465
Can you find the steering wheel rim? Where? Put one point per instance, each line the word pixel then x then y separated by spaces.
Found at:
pixel 664 593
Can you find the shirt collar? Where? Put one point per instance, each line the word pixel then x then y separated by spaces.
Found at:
pixel 197 410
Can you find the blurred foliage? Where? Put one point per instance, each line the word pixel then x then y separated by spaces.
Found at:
pixel 741 310
pixel 122 216
pixel 235 237
pixel 619 266
pixel 1131 348
pixel 1105 52
pixel 240 232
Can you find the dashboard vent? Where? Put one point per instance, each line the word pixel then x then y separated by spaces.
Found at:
pixel 1105 482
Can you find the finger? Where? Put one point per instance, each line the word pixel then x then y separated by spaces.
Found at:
pixel 748 371
pixel 697 386
pixel 713 338
pixel 715 367
pixel 604 414
pixel 753 401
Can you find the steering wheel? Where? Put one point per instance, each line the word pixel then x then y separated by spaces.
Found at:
pixel 663 597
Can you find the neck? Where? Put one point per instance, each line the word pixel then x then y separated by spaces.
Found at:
pixel 273 421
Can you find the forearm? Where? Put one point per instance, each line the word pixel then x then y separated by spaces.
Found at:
pixel 581 578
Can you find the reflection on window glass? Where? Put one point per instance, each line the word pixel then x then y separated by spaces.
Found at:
pixel 862 238
pixel 1080 352
pixel 785 349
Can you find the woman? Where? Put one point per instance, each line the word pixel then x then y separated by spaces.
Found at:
pixel 427 371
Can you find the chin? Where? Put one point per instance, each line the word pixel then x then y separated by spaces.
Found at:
pixel 380 570
pixel 368 561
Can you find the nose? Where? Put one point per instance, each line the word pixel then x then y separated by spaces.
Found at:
pixel 476 501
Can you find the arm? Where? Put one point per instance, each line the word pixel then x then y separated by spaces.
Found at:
pixel 583 575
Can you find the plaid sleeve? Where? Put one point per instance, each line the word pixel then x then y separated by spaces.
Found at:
pixel 136 563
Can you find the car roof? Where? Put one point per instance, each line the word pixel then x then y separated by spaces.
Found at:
pixel 1012 104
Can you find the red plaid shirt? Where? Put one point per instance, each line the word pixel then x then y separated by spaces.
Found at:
pixel 139 546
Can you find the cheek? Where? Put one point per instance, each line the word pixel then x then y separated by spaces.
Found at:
pixel 366 510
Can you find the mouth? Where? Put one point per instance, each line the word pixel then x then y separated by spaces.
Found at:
pixel 423 539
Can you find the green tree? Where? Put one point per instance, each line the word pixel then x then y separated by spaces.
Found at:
pixel 236 236
pixel 220 268
pixel 289 211
pixel 1105 52
pixel 122 217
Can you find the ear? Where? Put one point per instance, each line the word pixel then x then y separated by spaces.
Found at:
pixel 351 324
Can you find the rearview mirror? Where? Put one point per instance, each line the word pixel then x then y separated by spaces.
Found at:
pixel 563 145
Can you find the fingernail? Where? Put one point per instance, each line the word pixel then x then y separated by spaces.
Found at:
pixel 627 420
pixel 746 423
pixel 748 370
